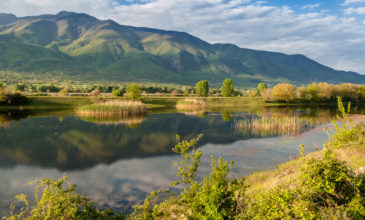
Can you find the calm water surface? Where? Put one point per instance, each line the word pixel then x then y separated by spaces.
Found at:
pixel 117 163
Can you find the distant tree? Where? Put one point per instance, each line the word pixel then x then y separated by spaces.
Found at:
pixel 95 93
pixel 118 93
pixel 267 95
pixel 20 87
pixel 284 92
pixel 64 91
pixel 134 91
pixel 260 88
pixel 202 88
pixel 1 85
pixel 227 88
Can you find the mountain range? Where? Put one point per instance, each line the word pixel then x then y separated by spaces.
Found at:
pixel 79 46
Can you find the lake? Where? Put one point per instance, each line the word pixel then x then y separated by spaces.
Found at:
pixel 117 162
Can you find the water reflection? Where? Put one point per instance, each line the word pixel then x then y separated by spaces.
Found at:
pixel 71 143
pixel 131 122
pixel 116 163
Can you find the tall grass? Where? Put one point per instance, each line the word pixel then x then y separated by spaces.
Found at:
pixel 120 108
pixel 270 126
pixel 191 104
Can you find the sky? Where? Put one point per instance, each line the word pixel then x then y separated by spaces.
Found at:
pixel 331 32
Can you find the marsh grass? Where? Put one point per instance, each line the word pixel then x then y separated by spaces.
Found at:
pixel 191 104
pixel 113 108
pixel 269 126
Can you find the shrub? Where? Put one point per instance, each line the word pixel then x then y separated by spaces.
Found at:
pixel 134 91
pixel 64 91
pixel 202 88
pixel 118 93
pixel 284 92
pixel 267 95
pixel 260 88
pixel 227 88
pixel 59 201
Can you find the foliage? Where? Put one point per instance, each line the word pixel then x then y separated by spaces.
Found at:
pixel 347 132
pixel 58 200
pixel 64 91
pixel 284 92
pixel 118 93
pixel 117 108
pixel 202 88
pixel 212 198
pixel 10 98
pixel 134 91
pixel 260 88
pixel 227 88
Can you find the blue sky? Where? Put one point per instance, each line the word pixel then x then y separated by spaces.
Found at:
pixel 330 31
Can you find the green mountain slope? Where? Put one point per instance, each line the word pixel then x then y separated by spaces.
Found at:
pixel 82 47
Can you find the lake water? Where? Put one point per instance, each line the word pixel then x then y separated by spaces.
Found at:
pixel 117 163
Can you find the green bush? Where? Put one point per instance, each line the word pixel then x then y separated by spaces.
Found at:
pixel 118 93
pixel 58 200
pixel 260 88
pixel 227 88
pixel 202 88
pixel 134 91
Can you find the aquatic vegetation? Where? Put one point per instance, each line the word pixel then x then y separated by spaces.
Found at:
pixel 191 104
pixel 270 126
pixel 318 185
pixel 110 108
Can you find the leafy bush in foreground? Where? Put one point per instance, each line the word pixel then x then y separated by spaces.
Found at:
pixel 59 201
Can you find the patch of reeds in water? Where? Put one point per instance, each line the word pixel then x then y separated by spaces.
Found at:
pixel 273 126
pixel 113 108
pixel 191 104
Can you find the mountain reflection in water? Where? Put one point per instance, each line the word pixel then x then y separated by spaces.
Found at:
pixel 116 163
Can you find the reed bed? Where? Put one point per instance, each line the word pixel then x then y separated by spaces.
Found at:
pixel 272 126
pixel 115 120
pixel 120 108
pixel 191 104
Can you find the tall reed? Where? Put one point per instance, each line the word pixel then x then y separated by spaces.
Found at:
pixel 123 108
pixel 191 104
pixel 271 126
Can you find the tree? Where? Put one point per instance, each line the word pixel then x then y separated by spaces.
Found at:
pixel 134 91
pixel 284 92
pixel 227 87
pixel 202 88
pixel 118 93
pixel 260 88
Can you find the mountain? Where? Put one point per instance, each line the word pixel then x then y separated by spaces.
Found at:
pixel 79 46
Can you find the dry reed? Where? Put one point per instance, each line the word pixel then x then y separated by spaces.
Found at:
pixel 272 126
pixel 191 104
pixel 120 108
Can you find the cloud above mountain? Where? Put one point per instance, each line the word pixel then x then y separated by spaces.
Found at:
pixel 334 38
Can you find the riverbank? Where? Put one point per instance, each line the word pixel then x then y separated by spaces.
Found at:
pixel 329 183
pixel 155 102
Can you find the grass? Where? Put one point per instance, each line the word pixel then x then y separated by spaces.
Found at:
pixel 122 108
pixel 191 104
pixel 269 126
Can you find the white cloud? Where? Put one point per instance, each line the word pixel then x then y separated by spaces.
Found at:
pixel 335 41
pixel 348 2
pixel 359 10
pixel 311 6
pixel 348 20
